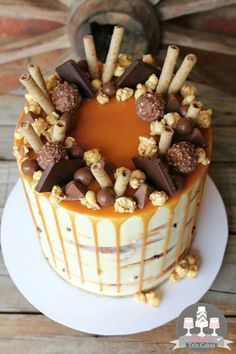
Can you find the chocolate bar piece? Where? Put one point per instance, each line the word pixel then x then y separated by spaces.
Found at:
pixel 196 137
pixel 58 173
pixel 108 166
pixel 75 191
pixel 136 73
pixel 71 72
pixel 142 194
pixel 156 172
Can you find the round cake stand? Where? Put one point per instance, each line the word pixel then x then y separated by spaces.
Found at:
pixel 86 312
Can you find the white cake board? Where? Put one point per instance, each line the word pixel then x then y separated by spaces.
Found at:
pixel 86 312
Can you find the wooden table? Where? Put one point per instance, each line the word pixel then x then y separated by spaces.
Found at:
pixel 24 330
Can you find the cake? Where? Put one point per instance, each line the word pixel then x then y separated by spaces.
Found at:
pixel 113 158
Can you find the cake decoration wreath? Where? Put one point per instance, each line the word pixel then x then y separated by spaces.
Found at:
pixel 49 154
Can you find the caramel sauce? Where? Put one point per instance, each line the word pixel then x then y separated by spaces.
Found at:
pixel 72 219
pixel 95 235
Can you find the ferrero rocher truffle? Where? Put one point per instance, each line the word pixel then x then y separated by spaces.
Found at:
pixel 181 156
pixel 51 152
pixel 150 106
pixel 106 197
pixel 66 97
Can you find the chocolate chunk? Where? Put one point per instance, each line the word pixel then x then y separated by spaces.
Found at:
pixel 141 196
pixel 108 166
pixel 173 103
pixel 58 173
pixel 83 65
pixel 156 172
pixel 196 137
pixel 29 118
pixel 184 110
pixel 136 73
pixel 106 197
pixel 29 166
pixel 71 72
pixel 184 126
pixel 70 120
pixel 83 175
pixel 109 89
pixel 75 191
pixel 76 151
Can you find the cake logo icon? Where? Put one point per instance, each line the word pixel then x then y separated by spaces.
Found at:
pixel 201 328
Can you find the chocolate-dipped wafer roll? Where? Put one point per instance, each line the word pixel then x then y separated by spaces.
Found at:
pixel 194 110
pixel 122 180
pixel 37 75
pixel 91 56
pixel 31 136
pixel 167 69
pixel 101 176
pixel 113 52
pixel 59 131
pixel 183 73
pixel 36 92
pixel 165 140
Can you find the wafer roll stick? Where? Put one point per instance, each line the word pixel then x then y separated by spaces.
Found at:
pixel 165 140
pixel 59 131
pixel 194 110
pixel 91 56
pixel 37 75
pixel 101 176
pixel 122 181
pixel 31 136
pixel 113 53
pixel 167 69
pixel 183 73
pixel 37 94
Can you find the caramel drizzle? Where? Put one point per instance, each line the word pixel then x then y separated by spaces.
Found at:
pixel 95 235
pixel 167 237
pixel 143 251
pixel 117 228
pixel 62 243
pixel 182 229
pixel 72 218
pixel 45 229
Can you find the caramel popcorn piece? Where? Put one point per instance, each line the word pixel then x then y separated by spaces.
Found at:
pixel 57 196
pixel 124 205
pixel 36 177
pixel 40 126
pixel 119 70
pixel 188 100
pixel 204 118
pixel 125 60
pixel 201 156
pixel 193 271
pixel 171 119
pixel 156 127
pixel 188 266
pixel 140 298
pixel 152 82
pixel 182 268
pixel 158 198
pixel 52 81
pixel 70 142
pixel 137 178
pixel 140 90
pixel 147 146
pixel 188 90
pixel 90 201
pixel 52 118
pixel 96 84
pixel 148 58
pixel 92 156
pixel 124 94
pixel 102 98
pixel 152 298
pixel 32 106
pixel 20 151
pixel 18 134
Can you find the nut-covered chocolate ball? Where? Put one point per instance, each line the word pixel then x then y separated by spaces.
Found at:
pixel 70 120
pixel 66 97
pixel 83 175
pixel 29 166
pixel 76 152
pixel 150 106
pixel 51 152
pixel 184 126
pixel 109 89
pixel 106 197
pixel 182 157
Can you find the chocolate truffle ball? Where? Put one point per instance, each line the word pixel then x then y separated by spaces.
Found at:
pixel 183 110
pixel 173 103
pixel 109 89
pixel 84 176
pixel 106 197
pixel 184 126
pixel 76 152
pixel 150 106
pixel 182 157
pixel 29 166
pixel 66 97
pixel 70 119
pixel 51 152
